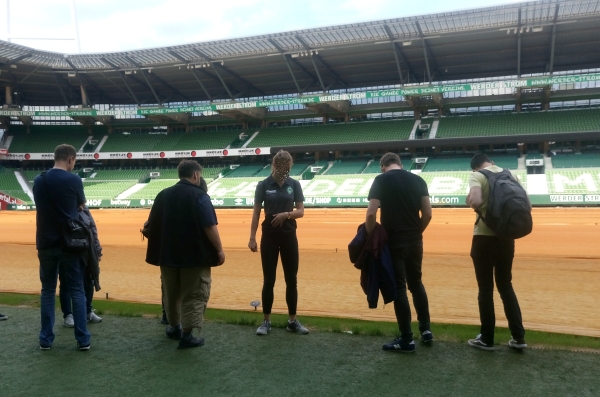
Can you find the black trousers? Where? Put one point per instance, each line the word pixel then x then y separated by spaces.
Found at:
pixel 407 258
pixel 492 258
pixel 274 242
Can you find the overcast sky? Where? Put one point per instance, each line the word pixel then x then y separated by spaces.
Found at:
pixel 121 25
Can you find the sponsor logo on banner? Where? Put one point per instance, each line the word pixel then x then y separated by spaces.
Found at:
pixel 239 201
pixel 27 156
pixel 88 156
pixel 183 154
pixel 248 152
pixel 225 152
pixel 217 201
pixel 566 198
pixel 153 155
pixel 8 199
pixel 210 153
pixel 120 202
pixel 3 151
pixel 118 155
pixel 48 156
pixel 193 153
pixel 94 203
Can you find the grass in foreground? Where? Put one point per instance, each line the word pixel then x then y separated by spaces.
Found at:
pixel 443 332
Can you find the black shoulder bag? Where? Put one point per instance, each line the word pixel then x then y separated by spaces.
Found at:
pixel 75 234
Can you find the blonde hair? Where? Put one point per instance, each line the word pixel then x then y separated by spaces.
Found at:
pixel 281 165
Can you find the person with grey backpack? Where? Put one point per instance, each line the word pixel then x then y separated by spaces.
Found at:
pixel 503 214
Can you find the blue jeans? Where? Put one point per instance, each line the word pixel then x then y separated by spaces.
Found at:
pixel 73 268
pixel 65 297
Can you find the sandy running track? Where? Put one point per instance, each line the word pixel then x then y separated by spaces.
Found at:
pixel 556 269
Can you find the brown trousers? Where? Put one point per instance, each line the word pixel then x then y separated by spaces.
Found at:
pixel 186 292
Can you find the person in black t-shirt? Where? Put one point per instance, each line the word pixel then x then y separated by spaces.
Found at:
pixel 279 193
pixel 405 213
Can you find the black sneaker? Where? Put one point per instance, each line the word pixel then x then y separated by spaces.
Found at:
pixel 3 317
pixel 296 327
pixel 174 332
pixel 477 343
pixel 83 347
pixel 45 347
pixel 398 345
pixel 518 344
pixel 164 319
pixel 426 337
pixel 189 341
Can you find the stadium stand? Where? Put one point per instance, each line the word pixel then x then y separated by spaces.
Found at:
pixel 446 164
pixel 520 123
pixel 510 162
pixel 10 185
pixel 233 187
pixel 245 171
pixel 576 160
pixel 374 131
pixel 153 188
pixel 132 142
pixel 119 175
pixel 105 190
pixel 373 167
pixel 46 142
pixel 573 181
pixel 347 167
pixel 139 142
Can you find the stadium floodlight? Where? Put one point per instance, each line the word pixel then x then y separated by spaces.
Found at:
pixel 13 66
pixel 128 71
pixel 537 29
pixel 406 43
pixel 71 74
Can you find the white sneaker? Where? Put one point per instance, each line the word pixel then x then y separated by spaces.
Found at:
pixel 264 328
pixel 296 327
pixel 93 317
pixel 69 322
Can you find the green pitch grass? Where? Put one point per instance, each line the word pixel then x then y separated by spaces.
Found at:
pixel 131 356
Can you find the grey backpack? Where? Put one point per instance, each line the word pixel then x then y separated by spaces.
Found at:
pixel 508 211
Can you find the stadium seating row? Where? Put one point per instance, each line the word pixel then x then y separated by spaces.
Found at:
pixel 376 131
pixel 559 181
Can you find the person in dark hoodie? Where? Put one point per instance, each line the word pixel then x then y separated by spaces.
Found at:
pixel 184 241
pixel 164 319
pixel 88 285
pixel 405 214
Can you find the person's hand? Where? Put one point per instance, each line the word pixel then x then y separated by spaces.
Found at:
pixel 279 218
pixel 221 256
pixel 252 245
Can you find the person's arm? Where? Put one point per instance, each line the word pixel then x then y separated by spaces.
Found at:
pixel 371 218
pixel 426 212
pixel 213 235
pixel 254 226
pixel 94 230
pixel 278 219
pixel 475 198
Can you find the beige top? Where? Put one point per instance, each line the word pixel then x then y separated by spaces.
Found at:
pixel 478 179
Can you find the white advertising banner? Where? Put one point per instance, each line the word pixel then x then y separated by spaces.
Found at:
pixel 145 155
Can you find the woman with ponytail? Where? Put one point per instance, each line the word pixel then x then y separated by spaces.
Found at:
pixel 279 193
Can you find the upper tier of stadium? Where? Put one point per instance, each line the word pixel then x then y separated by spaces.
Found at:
pixel 43 139
pixel 530 38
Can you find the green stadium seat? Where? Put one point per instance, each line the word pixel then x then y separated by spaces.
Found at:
pixel 10 186
pixel 584 160
pixel 374 131
pixel 520 123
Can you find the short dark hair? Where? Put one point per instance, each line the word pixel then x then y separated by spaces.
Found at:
pixel 478 160
pixel 203 185
pixel 64 152
pixel 186 168
pixel 389 159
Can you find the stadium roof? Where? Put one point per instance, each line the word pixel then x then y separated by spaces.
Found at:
pixel 512 40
